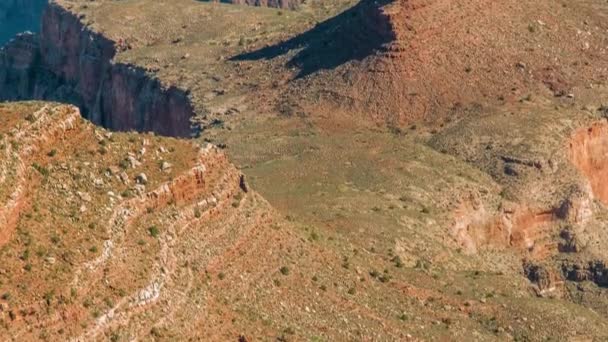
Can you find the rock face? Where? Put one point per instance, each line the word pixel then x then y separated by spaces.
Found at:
pixel 18 16
pixel 595 271
pixel 71 63
pixel 588 149
pixel 287 4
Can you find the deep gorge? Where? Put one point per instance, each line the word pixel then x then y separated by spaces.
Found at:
pixel 19 16
pixel 67 62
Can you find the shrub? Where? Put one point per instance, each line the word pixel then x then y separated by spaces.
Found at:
pixel 154 232
pixel 43 171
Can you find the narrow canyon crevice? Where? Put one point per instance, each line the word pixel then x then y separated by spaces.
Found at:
pixel 67 62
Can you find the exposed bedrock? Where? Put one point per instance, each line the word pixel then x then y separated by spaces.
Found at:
pixel 579 271
pixel 68 62
pixel 519 227
pixel 588 151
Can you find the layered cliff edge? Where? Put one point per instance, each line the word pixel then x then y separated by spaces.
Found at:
pixel 69 62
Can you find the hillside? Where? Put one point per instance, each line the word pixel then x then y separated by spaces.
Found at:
pixel 398 62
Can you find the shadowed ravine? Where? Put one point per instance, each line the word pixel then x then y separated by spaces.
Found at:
pixel 70 63
pixel 354 34
pixel 19 16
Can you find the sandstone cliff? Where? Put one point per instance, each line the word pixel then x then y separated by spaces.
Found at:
pixel 70 63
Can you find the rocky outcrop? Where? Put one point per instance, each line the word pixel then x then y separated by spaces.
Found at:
pixel 19 16
pixel 595 271
pixel 287 4
pixel 588 151
pixel 70 63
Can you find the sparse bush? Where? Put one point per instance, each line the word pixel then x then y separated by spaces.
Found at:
pixel 155 332
pixel 124 164
pixel 154 232
pixel 397 261
pixel 48 297
pixel 385 278
pixel 42 170
pixel 108 301
pixel 314 236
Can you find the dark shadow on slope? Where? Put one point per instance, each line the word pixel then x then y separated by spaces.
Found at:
pixel 352 35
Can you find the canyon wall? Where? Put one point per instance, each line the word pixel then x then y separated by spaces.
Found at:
pixel 67 62
pixel 19 16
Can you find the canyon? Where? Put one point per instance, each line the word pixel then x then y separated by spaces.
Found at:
pixel 344 170
pixel 68 62
pixel 18 16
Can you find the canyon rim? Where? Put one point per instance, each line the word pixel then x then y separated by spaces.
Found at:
pixel 334 170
